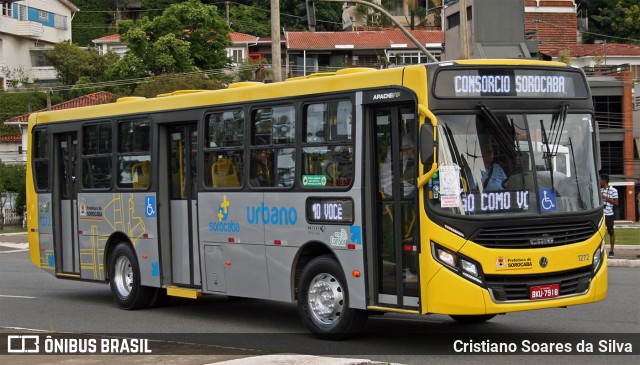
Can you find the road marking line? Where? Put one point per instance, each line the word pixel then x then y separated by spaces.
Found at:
pixel 22 246
pixel 16 296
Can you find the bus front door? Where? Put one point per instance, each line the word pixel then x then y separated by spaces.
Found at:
pixel 185 254
pixel 66 193
pixel 396 220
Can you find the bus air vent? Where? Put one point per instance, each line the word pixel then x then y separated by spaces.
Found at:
pixel 543 235
pixel 127 99
pixel 506 288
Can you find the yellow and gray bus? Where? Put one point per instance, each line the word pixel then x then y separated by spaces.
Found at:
pixel 420 189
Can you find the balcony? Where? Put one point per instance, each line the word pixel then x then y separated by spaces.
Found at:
pixel 30 29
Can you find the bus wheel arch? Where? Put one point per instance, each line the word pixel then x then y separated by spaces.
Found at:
pixel 114 240
pixel 124 275
pixel 306 253
pixel 323 300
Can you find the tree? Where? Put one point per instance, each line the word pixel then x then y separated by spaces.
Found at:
pixel 12 179
pixel 416 11
pixel 250 20
pixel 92 21
pixel 72 62
pixel 15 77
pixel 187 36
pixel 618 20
pixel 167 83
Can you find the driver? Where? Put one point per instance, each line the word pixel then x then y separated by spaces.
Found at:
pixel 493 176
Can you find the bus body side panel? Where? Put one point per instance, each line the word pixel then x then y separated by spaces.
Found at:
pixel 45 234
pixel 289 228
pixel 102 214
pixel 232 245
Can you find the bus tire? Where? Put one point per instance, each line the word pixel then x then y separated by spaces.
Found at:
pixel 124 274
pixel 469 319
pixel 323 301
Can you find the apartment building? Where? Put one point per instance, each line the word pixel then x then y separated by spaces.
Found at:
pixel 27 30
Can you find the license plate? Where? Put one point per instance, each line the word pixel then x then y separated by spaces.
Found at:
pixel 544 291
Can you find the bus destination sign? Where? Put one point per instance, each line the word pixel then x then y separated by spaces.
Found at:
pixel 526 83
pixel 329 210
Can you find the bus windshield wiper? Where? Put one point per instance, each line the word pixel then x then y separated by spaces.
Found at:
pixel 557 127
pixel 504 139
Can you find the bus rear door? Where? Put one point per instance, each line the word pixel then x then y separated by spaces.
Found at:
pixel 185 254
pixel 65 213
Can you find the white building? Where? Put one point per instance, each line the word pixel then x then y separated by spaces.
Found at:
pixel 28 28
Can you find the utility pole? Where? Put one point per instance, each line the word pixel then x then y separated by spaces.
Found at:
pixel 275 41
pixel 226 4
pixel 464 29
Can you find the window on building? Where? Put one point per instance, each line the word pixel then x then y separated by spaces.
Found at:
pixel 133 156
pixel 22 12
pixel 327 150
pixel 223 150
pixel 236 54
pixel 7 9
pixel 409 57
pixel 38 58
pixel 60 22
pixel 43 15
pixel 612 157
pixel 608 111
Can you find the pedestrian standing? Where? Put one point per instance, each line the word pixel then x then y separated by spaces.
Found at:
pixel 610 198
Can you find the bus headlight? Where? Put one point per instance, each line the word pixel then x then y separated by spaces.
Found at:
pixel 597 257
pixel 458 263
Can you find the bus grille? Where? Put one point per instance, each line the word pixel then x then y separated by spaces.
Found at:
pixel 516 287
pixel 546 235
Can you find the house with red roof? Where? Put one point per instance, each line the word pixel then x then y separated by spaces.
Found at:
pixel 309 52
pixel 12 147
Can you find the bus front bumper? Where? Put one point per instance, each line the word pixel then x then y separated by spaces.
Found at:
pixel 449 293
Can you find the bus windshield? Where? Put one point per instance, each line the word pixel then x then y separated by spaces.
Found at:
pixel 514 163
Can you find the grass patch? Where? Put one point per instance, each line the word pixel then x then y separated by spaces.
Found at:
pixel 626 236
pixel 13 230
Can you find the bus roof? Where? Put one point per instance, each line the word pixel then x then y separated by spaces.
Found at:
pixel 341 80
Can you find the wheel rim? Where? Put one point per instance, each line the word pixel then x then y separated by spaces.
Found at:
pixel 325 299
pixel 123 276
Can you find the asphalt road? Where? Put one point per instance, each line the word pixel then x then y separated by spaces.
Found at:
pixel 32 299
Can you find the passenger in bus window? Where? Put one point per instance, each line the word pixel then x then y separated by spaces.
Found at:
pixel 261 166
pixel 407 169
pixel 408 166
pixel 493 176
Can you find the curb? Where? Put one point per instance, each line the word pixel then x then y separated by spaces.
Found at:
pixel 623 263
pixel 291 359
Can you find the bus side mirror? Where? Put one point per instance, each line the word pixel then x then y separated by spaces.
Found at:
pixel 426 144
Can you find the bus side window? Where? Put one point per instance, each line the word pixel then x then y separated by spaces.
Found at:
pixel 327 151
pixel 133 151
pixel 223 149
pixel 97 156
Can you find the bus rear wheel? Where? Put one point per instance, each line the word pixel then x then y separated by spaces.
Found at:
pixel 124 274
pixel 323 301
pixel 472 318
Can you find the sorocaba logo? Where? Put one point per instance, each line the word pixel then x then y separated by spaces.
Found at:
pixel 223 210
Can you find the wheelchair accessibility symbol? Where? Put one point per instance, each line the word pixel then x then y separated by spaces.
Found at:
pixel 548 201
pixel 150 206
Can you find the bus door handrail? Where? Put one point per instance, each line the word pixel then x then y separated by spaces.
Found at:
pixel 425 112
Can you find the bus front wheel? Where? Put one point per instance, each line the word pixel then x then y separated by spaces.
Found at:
pixel 323 301
pixel 124 274
pixel 472 318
